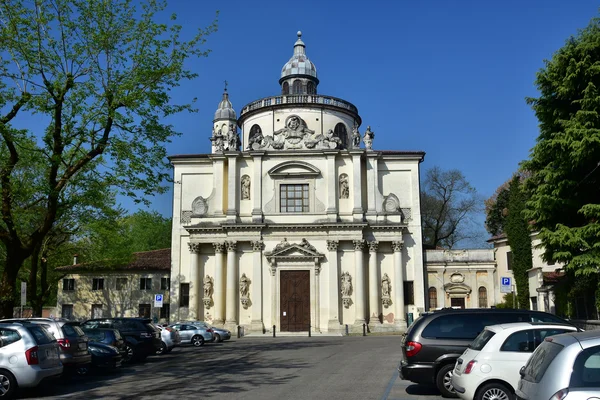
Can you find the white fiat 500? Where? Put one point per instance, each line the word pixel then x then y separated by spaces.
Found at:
pixel 489 368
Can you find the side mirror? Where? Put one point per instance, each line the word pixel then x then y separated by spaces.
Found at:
pixel 522 372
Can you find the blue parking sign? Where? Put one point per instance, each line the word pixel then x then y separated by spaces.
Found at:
pixel 505 281
pixel 158 300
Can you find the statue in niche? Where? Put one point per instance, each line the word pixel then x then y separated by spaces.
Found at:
pixel 355 137
pixel 244 291
pixel 256 138
pixel 208 291
pixel 245 187
pixel 346 289
pixel 386 288
pixel 368 138
pixel 232 139
pixel 344 187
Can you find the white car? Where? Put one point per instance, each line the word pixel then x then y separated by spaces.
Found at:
pixel 489 368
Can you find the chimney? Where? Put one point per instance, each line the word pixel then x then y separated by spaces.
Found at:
pixel 75 258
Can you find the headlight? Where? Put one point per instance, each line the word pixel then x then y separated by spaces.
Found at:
pixel 99 350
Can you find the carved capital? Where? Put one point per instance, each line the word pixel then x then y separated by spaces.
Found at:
pixel 332 245
pixel 359 244
pixel 258 245
pixel 397 245
pixel 194 247
pixel 231 245
pixel 219 247
pixel 373 246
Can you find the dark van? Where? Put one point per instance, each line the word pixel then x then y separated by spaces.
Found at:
pixel 435 340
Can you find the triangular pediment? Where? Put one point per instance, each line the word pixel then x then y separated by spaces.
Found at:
pixel 287 250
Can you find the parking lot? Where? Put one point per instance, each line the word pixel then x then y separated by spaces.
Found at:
pixel 256 368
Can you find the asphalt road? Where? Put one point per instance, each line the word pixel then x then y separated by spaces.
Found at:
pixel 331 368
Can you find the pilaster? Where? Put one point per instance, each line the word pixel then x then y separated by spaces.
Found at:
pixel 373 285
pixel 400 319
pixel 219 284
pixel 232 186
pixel 333 323
pixel 194 281
pixel 360 282
pixel 257 325
pixel 232 290
pixel 332 183
pixel 257 215
pixel 356 189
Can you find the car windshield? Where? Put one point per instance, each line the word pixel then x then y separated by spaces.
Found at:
pixel 41 335
pixel 481 340
pixel 540 361
pixel 95 334
pixel 72 330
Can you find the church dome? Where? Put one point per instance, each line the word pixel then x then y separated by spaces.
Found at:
pixel 299 64
pixel 225 109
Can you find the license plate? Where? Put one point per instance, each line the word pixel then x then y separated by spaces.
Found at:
pixel 82 346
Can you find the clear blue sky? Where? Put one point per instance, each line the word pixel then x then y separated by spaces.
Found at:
pixel 446 77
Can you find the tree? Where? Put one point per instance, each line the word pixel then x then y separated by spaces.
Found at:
pixel 97 77
pixel 519 240
pixel 564 187
pixel 448 206
pixel 496 210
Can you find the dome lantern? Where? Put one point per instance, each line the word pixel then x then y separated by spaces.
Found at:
pixel 299 74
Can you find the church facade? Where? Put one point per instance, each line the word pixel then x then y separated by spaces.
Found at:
pixel 294 221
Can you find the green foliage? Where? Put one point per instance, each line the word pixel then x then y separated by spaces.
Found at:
pixel 519 239
pixel 448 206
pixel 496 210
pixel 509 300
pixel 564 187
pixel 88 83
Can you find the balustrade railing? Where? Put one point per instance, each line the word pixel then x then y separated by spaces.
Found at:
pixel 299 99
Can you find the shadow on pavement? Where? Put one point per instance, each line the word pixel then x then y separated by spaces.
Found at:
pixel 423 390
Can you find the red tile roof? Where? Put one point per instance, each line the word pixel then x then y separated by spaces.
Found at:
pixel 153 260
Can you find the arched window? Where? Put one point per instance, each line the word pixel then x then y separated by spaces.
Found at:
pixel 297 87
pixel 286 88
pixel 310 88
pixel 341 132
pixel 482 297
pixel 432 298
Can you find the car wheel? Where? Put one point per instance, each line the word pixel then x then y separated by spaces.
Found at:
pixel 163 348
pixel 218 338
pixel 198 341
pixel 129 353
pixel 494 391
pixel 8 384
pixel 82 371
pixel 443 381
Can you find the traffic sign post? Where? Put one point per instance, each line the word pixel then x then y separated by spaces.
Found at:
pixel 505 284
pixel 158 300
pixel 23 296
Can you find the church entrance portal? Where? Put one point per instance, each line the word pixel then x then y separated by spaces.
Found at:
pixel 295 301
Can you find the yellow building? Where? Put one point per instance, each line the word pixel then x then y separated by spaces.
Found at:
pixel 92 291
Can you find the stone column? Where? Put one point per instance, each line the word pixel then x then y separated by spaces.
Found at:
pixel 231 289
pixel 256 325
pixel 371 183
pixel 356 189
pixel 232 187
pixel 219 293
pixel 194 281
pixel 373 285
pixel 359 286
pixel 257 215
pixel 398 288
pixel 274 290
pixel 333 324
pixel 219 178
pixel 332 183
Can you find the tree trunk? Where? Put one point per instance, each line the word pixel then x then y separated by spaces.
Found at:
pixel 8 287
pixel 32 293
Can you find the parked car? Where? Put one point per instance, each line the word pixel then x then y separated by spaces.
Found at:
pixel 436 339
pixel 72 341
pixel 141 337
pixel 563 367
pixel 33 353
pixel 489 368
pixel 104 355
pixel 169 339
pixel 107 336
pixel 220 334
pixel 192 333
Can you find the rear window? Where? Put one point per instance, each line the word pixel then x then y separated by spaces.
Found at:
pixel 586 370
pixel 72 330
pixel 481 340
pixel 547 318
pixel 540 361
pixel 40 334
pixel 454 326
pixel 8 336
pixel 95 335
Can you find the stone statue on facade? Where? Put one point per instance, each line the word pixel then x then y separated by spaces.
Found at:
pixel 218 140
pixel 245 187
pixel 208 291
pixel 293 135
pixel 355 137
pixel 232 139
pixel 304 243
pixel 245 291
pixel 346 289
pixel 368 138
pixel 255 141
pixel 282 245
pixel 344 187
pixel 386 288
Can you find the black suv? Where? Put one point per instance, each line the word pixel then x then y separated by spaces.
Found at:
pixel 141 337
pixel 435 340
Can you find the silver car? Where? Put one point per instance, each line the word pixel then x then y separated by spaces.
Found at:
pixel 169 338
pixel 220 334
pixel 563 367
pixel 191 333
pixel 33 354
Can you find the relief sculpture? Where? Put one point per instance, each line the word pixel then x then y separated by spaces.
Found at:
pixel 386 288
pixel 208 291
pixel 245 291
pixel 346 289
